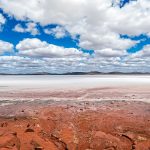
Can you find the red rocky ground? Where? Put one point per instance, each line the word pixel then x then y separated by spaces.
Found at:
pixel 106 125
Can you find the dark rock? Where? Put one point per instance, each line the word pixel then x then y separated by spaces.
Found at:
pixel 29 130
pixel 38 148
pixel 4 124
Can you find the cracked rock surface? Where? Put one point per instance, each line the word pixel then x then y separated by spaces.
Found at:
pixel 105 125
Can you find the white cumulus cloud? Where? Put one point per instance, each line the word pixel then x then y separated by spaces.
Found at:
pixel 97 22
pixel 37 48
pixel 30 27
pixel 109 53
pixel 2 21
pixel 58 32
pixel 5 47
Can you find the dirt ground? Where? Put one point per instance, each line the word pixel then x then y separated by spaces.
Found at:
pixel 85 125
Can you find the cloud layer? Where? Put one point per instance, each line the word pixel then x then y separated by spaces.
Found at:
pixel 96 25
pixel 35 55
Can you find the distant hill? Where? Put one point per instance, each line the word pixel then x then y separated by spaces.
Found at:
pixel 82 73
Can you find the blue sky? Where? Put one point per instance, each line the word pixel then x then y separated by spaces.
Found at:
pixel 78 36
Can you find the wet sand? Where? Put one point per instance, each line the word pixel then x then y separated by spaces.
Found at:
pixel 91 113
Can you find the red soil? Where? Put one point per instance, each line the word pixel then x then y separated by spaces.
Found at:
pixel 109 125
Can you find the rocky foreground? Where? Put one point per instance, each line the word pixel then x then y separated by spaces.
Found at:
pixel 105 125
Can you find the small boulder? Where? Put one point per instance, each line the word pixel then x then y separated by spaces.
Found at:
pixel 29 130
